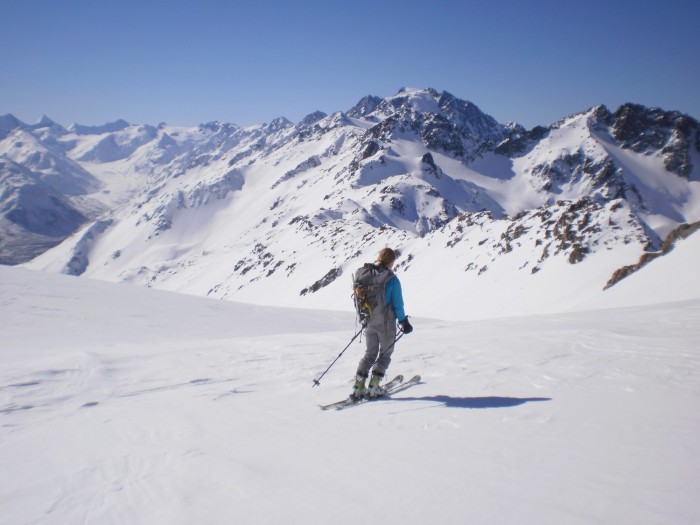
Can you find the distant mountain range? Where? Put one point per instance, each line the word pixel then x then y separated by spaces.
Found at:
pixel 488 216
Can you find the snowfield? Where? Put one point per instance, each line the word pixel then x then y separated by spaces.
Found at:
pixel 127 405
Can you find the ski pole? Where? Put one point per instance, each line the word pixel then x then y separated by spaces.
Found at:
pixel 398 336
pixel 317 382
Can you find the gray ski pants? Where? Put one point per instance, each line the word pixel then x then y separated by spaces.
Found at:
pixel 380 346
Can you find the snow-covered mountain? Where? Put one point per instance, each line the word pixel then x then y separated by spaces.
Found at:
pixel 490 218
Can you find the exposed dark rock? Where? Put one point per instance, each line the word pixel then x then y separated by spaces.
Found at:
pixel 370 150
pixel 681 232
pixel 364 107
pixel 520 142
pixel 651 129
pixel 324 281
pixel 428 160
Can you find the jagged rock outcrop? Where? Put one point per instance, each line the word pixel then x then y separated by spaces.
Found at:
pixel 681 232
pixel 652 130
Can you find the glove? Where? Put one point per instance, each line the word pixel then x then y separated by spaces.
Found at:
pixel 406 326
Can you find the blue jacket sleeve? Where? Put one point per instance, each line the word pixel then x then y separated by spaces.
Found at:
pixel 394 297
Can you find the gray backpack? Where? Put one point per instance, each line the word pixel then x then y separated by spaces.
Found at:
pixel 369 291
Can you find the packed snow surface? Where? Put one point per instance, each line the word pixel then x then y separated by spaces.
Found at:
pixel 126 405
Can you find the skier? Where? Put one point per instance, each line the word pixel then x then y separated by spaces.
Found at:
pixel 380 331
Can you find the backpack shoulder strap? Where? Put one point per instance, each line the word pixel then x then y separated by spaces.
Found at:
pixel 386 274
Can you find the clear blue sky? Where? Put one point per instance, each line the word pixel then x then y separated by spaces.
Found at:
pixel 189 62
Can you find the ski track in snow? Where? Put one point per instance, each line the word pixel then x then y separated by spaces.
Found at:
pixel 161 408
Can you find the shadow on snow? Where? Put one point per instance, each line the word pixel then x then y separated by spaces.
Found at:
pixel 475 402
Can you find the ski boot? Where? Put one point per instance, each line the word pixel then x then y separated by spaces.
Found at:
pixel 375 389
pixel 359 390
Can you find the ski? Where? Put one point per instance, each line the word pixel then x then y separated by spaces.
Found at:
pixel 403 386
pixel 392 387
pixel 348 401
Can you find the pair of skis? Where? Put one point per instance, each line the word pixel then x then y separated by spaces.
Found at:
pixel 392 387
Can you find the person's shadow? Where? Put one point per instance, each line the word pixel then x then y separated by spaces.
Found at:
pixel 475 402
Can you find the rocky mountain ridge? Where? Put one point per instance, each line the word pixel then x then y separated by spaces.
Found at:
pixel 279 212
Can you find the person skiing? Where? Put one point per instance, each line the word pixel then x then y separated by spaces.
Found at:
pixel 380 328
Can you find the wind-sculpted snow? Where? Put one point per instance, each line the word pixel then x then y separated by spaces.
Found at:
pixel 120 404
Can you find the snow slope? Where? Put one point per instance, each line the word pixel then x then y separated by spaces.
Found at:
pixel 672 277
pixel 516 221
pixel 126 405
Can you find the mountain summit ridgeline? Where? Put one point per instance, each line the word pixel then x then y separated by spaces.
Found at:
pixel 277 213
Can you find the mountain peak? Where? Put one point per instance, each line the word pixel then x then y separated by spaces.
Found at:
pixel 110 127
pixel 414 91
pixel 217 126
pixel 45 122
pixel 364 107
pixel 419 100
pixel 278 124
pixel 643 129
pixel 8 123
pixel 312 118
